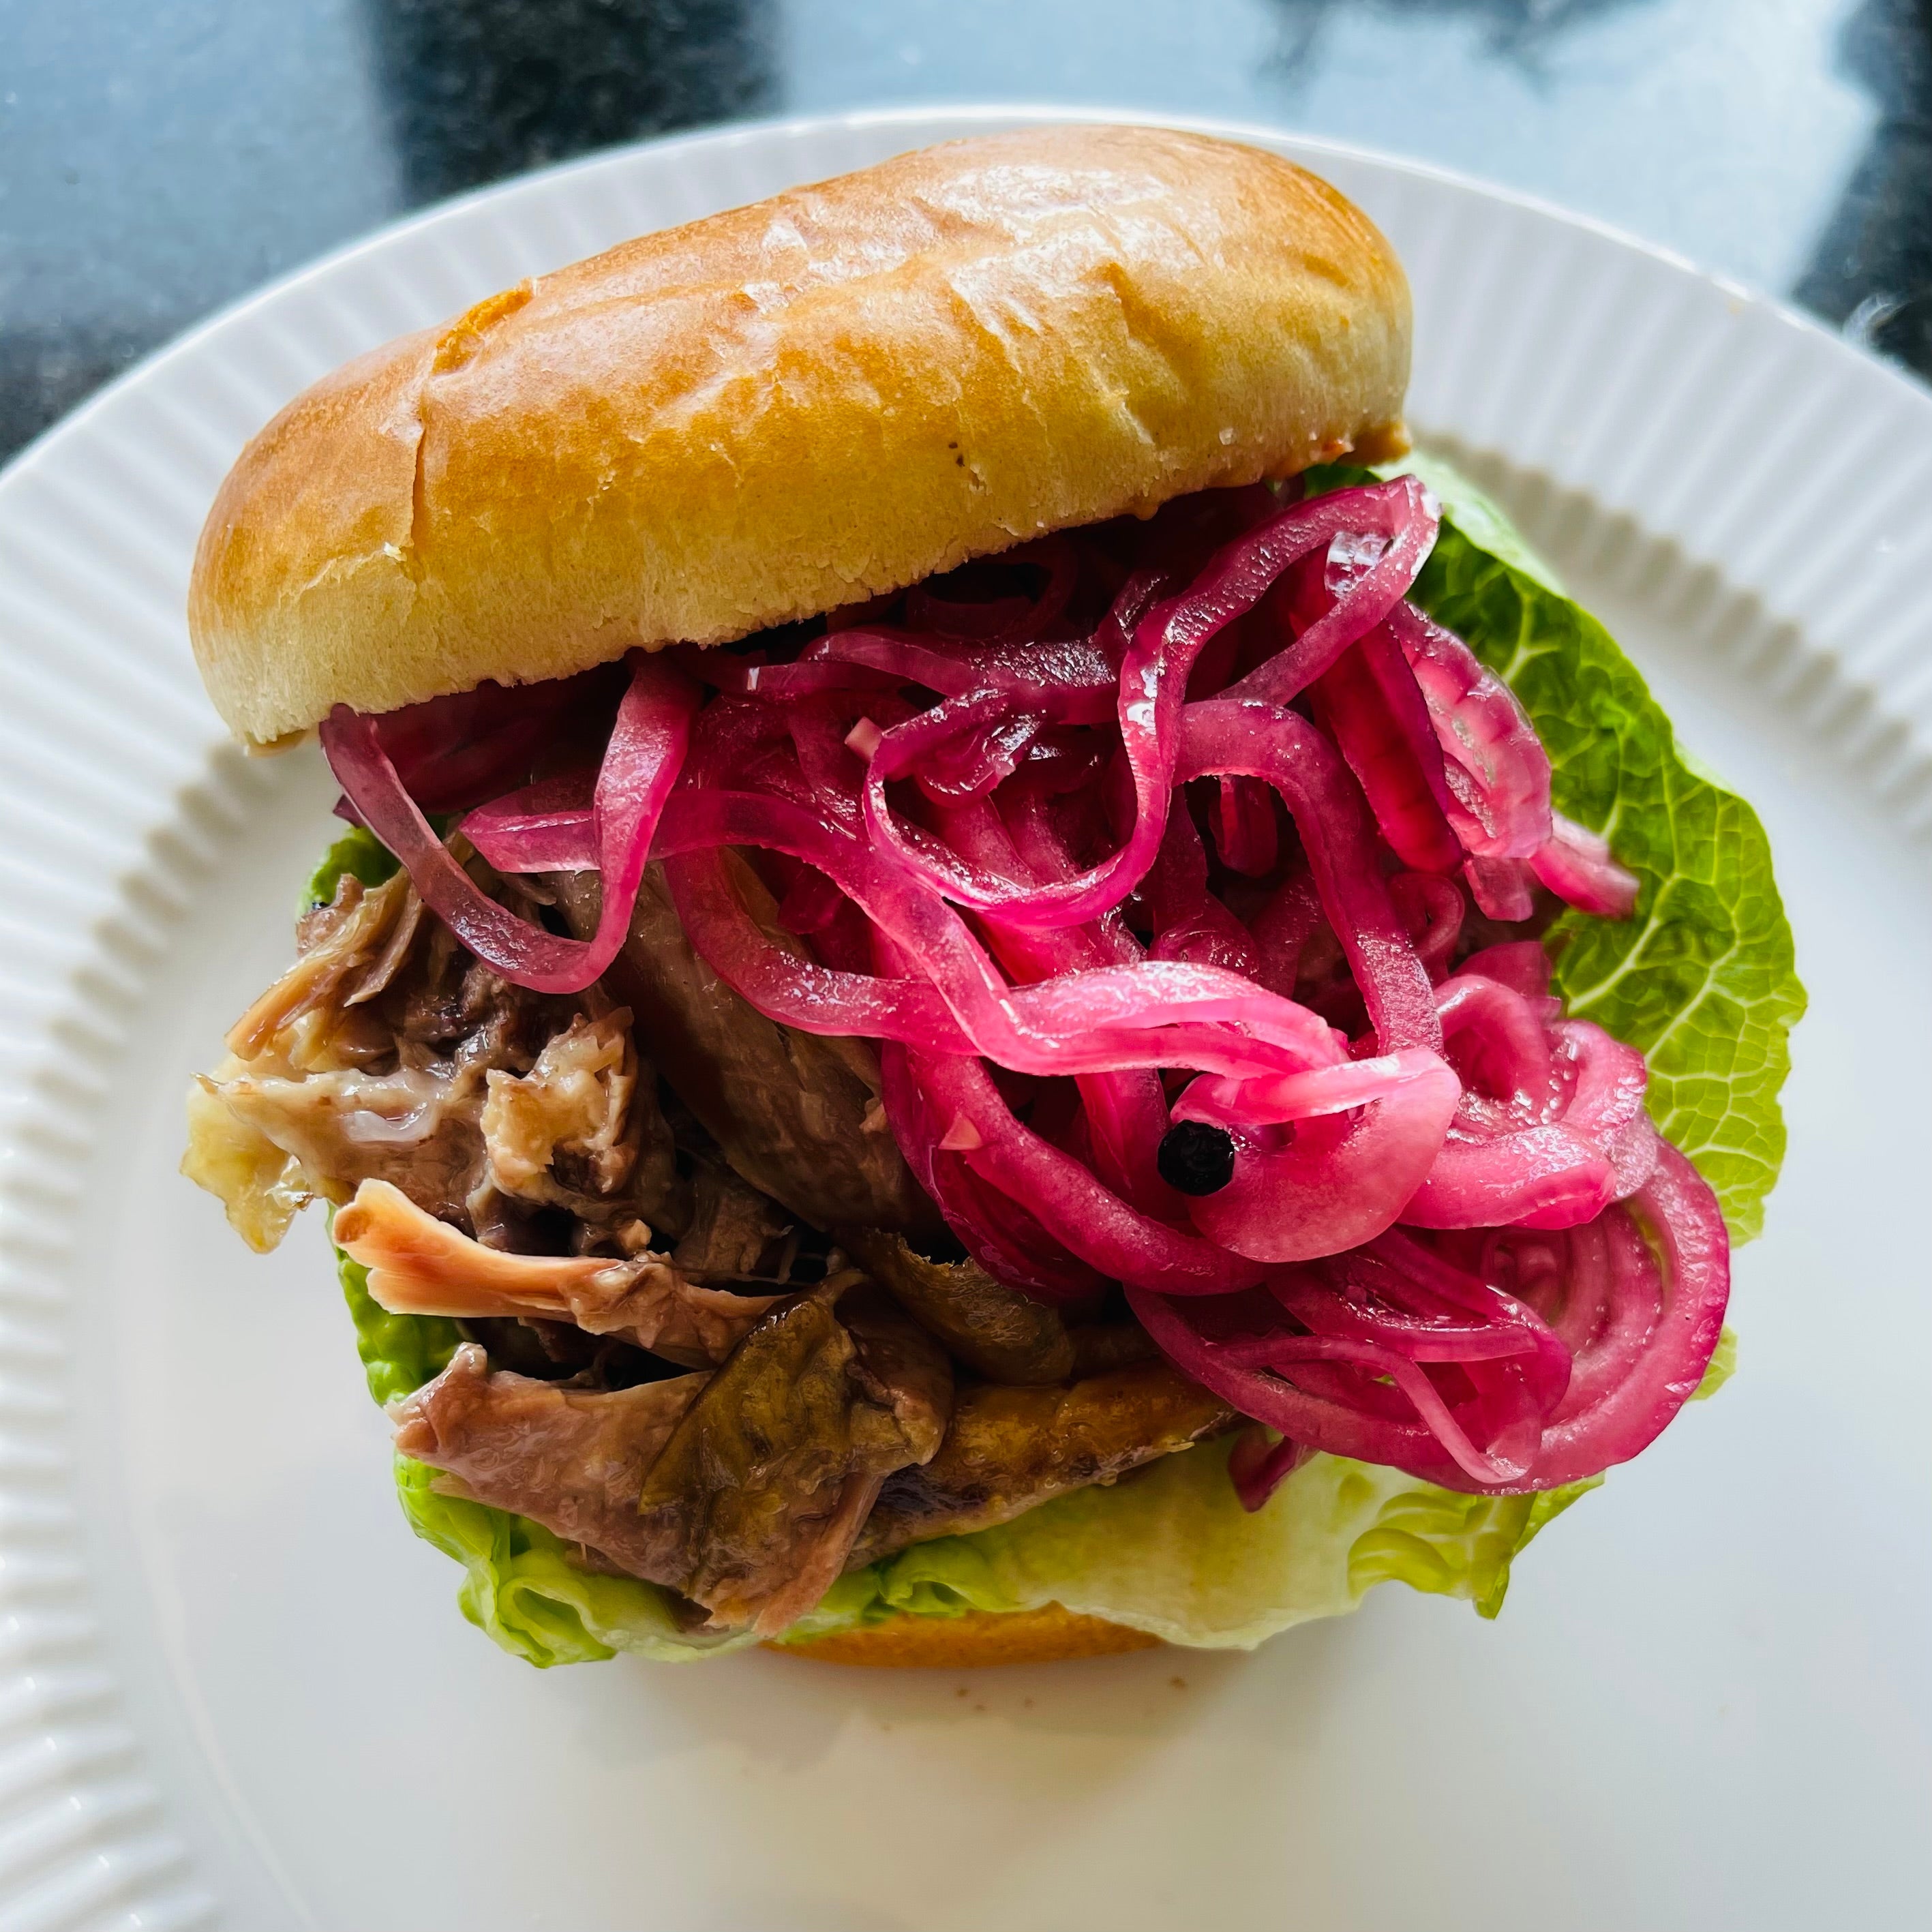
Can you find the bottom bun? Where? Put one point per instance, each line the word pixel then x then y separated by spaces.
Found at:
pixel 1048 1635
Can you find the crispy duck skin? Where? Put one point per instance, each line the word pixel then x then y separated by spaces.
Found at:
pixel 771 1474
pixel 571 1459
pixel 1009 1448
pixel 742 1489
pixel 1005 1336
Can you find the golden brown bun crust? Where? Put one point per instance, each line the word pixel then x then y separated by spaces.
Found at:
pixel 762 415
pixel 1048 1635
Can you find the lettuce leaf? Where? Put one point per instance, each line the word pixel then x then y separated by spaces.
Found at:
pixel 1171 1551
pixel 399 1352
pixel 358 854
pixel 1702 980
pixel 522 1590
pixel 1719 1369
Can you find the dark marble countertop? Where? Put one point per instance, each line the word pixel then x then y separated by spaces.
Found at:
pixel 159 157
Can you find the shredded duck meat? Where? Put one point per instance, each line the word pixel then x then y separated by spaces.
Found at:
pixel 572 1460
pixel 386 1053
pixel 514 1161
pixel 419 1265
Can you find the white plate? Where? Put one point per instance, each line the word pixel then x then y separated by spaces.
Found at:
pixel 233 1688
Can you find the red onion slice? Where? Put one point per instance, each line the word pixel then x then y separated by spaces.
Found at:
pixel 1019 668
pixel 1369 703
pixel 1497 1040
pixel 1575 863
pixel 1341 1178
pixel 451 751
pixel 1432 910
pixel 1257 1374
pixel 1257 1469
pixel 1496 769
pixel 1087 1218
pixel 1126 1110
pixel 1551 1128
pixel 1244 828
pixel 1190 923
pixel 1404 514
pixel 1289 920
pixel 1500 888
pixel 787 987
pixel 641 765
pixel 1520 964
pixel 1221 737
pixel 999 1234
pixel 1275 1099
pixel 550 826
pixel 1153 681
pixel 1636 1299
pixel 1668 1284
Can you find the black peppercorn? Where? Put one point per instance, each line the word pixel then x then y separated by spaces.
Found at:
pixel 1196 1158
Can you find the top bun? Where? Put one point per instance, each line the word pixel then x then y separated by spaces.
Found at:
pixel 762 415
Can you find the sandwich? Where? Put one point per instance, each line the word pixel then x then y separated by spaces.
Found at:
pixel 997 984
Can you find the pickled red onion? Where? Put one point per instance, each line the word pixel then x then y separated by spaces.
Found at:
pixel 641 765
pixel 985 803
pixel 1575 863
pixel 550 826
pixel 1163 646
pixel 1222 738
pixel 1496 770
pixel 1550 1127
pixel 1256 1470
pixel 1638 1298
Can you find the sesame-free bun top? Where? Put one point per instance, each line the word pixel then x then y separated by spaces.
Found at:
pixel 762 415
